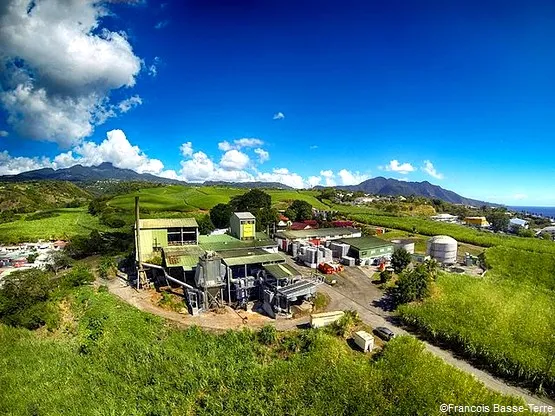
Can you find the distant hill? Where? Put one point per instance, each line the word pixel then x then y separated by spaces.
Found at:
pixel 249 185
pixel 79 173
pixel 21 197
pixel 394 187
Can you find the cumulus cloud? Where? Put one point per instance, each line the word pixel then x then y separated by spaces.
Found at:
pixel 402 168
pixel 263 155
pixel 115 149
pixel 431 170
pixel 279 116
pixel 186 149
pixel 328 176
pixel 234 160
pixel 351 178
pixel 4 133
pixel 59 66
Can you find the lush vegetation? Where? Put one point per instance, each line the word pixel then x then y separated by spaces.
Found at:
pixel 109 358
pixel 506 320
pixel 459 232
pixel 26 197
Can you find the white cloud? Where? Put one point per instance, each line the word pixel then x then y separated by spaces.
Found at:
pixel 328 177
pixel 153 68
pixel 279 116
pixel 402 168
pixel 245 142
pixel 186 149
pixel 431 170
pixel 263 155
pixel 234 160
pixel 129 103
pixel 282 175
pixel 313 181
pixel 67 64
pixel 4 133
pixel 162 24
pixel 351 178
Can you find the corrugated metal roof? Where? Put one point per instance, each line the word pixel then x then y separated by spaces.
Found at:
pixel 366 243
pixel 244 215
pixel 226 242
pixel 314 233
pixel 250 256
pixel 167 223
pixel 281 271
pixel 183 256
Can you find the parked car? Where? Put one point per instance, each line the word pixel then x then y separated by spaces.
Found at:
pixel 384 333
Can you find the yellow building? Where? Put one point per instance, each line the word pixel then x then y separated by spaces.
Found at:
pixel 477 221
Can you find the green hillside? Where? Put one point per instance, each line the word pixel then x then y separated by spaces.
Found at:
pixel 23 197
pixel 190 199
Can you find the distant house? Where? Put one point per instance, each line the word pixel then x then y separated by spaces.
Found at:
pixel 516 223
pixel 477 222
pixel 283 222
pixel 445 218
pixel 297 226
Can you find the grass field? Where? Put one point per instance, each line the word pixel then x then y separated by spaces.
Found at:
pixel 506 319
pixel 109 358
pixel 190 199
pixel 69 222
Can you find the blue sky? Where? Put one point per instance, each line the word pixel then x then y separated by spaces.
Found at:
pixel 459 93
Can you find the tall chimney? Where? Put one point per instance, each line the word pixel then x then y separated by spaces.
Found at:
pixel 138 242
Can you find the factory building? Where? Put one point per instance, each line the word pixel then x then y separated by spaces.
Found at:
pixel 157 234
pixel 243 225
pixel 314 236
pixel 477 222
pixel 366 250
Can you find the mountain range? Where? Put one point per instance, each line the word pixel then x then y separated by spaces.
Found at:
pixel 107 171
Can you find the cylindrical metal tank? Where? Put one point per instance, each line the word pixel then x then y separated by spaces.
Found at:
pixel 442 248
pixel 406 244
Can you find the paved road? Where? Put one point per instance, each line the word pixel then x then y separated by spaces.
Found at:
pixel 340 301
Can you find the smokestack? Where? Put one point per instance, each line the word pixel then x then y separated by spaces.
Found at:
pixel 138 241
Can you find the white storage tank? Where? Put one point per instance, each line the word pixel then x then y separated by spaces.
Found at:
pixel 442 248
pixel 408 245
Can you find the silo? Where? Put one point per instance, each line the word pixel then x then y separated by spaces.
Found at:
pixel 442 248
pixel 406 244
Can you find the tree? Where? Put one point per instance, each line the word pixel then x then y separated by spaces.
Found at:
pixel 412 285
pixel 498 220
pixel 299 211
pixel 251 201
pixel 58 261
pixel 205 225
pixel 400 259
pixel 220 215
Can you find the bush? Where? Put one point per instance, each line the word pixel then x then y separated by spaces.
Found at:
pixel 267 335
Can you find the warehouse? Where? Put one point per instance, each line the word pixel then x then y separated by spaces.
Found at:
pixel 314 236
pixel 368 249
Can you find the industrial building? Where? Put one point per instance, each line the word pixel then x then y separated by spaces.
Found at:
pixel 368 249
pixel 243 225
pixel 219 269
pixel 477 222
pixel 314 236
pixel 443 249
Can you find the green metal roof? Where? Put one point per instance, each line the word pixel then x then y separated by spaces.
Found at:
pixel 317 232
pixel 250 256
pixel 226 242
pixel 280 271
pixel 168 223
pixel 182 256
pixel 366 243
